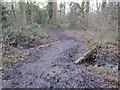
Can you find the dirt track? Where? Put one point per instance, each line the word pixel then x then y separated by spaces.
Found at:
pixel 53 66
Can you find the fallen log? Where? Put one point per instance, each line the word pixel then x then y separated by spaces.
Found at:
pixel 88 55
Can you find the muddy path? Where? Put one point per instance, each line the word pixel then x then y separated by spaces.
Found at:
pixel 53 67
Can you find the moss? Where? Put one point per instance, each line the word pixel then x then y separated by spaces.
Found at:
pixel 87 41
pixel 5 60
pixel 102 69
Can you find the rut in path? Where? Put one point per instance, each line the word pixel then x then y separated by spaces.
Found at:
pixel 53 66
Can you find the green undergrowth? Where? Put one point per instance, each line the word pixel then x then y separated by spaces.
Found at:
pixel 92 37
pixel 104 36
pixel 88 41
pixel 16 36
pixel 5 60
pixel 55 25
pixel 102 70
pixel 112 76
pixel 27 33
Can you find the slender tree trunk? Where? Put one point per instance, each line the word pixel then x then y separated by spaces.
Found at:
pixel 22 12
pixel 103 4
pixel 13 10
pixel 87 6
pixel 87 13
pixel 97 5
pixel 32 12
pixel 62 11
pixel 52 11
pixel 119 26
pixel 83 14
pixel 49 12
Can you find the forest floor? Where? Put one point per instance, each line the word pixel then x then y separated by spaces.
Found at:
pixel 53 66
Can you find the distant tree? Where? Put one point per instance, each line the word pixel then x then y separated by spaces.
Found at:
pixel 103 5
pixel 5 12
pixel 87 6
pixel 54 8
pixel 62 7
pixel 52 11
pixel 22 12
pixel 97 5
pixel 32 11
pixel 13 10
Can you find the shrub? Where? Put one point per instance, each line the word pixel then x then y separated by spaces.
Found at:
pixel 54 25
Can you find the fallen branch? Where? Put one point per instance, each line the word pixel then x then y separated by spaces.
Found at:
pixel 47 45
pixel 44 45
pixel 89 54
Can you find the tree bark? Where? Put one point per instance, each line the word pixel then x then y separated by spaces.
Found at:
pixel 22 12
pixel 52 11
pixel 12 7
pixel 32 12
pixel 87 6
pixel 103 4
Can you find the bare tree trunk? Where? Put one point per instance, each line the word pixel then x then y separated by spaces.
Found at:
pixel 103 4
pixel 54 10
pixel 119 26
pixel 62 12
pixel 32 11
pixel 87 13
pixel 97 5
pixel 87 6
pixel 50 12
pixel 12 7
pixel 83 15
pixel 22 12
pixel 52 6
